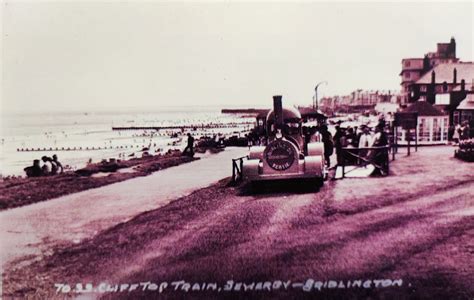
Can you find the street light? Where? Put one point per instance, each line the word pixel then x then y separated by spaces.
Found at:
pixel 315 104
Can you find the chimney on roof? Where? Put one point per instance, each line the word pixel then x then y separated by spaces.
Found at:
pixel 455 76
pixel 426 63
pixel 433 77
pixel 452 48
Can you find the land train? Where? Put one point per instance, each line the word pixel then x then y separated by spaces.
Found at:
pixel 286 154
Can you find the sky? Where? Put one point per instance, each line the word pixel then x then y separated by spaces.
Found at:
pixel 78 55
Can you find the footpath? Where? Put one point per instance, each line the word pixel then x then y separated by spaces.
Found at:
pixel 33 230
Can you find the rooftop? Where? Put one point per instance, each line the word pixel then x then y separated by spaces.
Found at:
pixel 467 104
pixel 423 108
pixel 444 72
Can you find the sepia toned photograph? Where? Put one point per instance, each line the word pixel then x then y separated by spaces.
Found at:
pixel 236 149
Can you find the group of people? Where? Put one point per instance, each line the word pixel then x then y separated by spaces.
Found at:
pixel 50 166
pixel 357 138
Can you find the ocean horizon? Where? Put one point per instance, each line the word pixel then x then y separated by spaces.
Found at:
pixel 131 109
pixel 24 135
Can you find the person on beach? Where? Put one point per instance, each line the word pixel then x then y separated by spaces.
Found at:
pixel 190 147
pixel 34 170
pixel 59 166
pixel 47 168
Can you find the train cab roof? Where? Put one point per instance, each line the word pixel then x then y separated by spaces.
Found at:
pixel 290 114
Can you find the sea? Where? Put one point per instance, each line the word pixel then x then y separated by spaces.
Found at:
pixel 78 138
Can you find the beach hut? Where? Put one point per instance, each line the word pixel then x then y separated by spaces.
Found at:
pixel 432 124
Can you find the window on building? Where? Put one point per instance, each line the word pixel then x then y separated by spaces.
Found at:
pixel 436 130
pixel 407 75
pixel 456 117
pixel 424 130
pixel 423 88
pixel 407 64
pixel 466 116
pixel 445 128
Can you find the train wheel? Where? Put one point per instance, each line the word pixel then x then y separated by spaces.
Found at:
pixel 318 182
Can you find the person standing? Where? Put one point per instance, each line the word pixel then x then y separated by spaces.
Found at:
pixel 190 146
pixel 328 143
pixel 457 133
pixel 337 143
pixel 379 156
pixel 365 141
pixel 464 131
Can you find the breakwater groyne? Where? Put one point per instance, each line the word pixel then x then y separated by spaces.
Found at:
pixel 79 148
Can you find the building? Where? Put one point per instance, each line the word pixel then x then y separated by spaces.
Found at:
pixel 443 78
pixel 465 111
pixel 359 100
pixel 387 108
pixel 414 68
pixel 432 124
pixel 445 86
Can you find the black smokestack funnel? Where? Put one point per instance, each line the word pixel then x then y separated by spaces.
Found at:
pixel 278 112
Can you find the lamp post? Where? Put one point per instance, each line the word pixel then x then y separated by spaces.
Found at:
pixel 315 104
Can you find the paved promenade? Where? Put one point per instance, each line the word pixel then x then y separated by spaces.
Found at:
pixel 36 228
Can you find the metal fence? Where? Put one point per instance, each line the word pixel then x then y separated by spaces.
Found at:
pixel 237 166
pixel 379 157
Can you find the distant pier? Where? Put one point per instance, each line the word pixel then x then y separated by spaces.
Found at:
pixel 250 111
pixel 202 126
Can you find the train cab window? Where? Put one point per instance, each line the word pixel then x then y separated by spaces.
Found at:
pixel 292 128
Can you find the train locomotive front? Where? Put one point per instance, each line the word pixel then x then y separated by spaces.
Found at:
pixel 286 156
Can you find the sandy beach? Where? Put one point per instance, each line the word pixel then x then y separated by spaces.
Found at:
pixel 80 137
